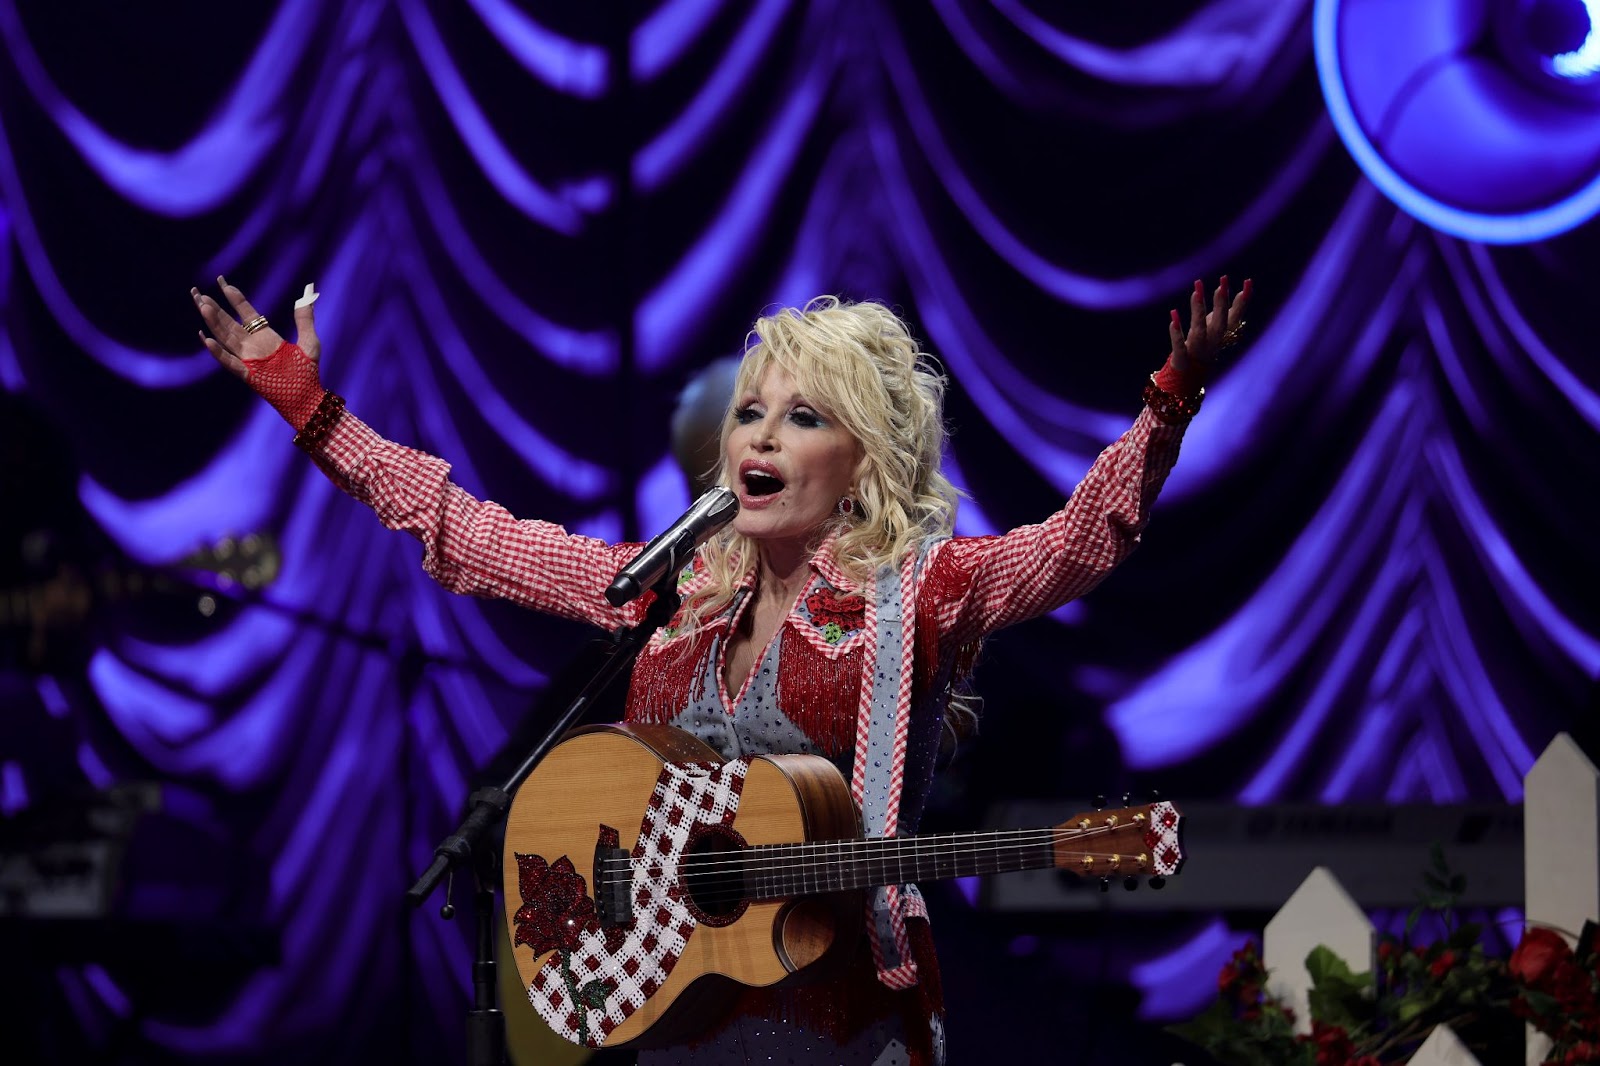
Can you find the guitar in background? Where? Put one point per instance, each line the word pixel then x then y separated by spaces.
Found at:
pixel 63 605
pixel 60 573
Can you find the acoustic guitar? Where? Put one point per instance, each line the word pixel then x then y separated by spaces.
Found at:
pixel 643 873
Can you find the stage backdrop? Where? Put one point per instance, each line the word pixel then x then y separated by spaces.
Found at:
pixel 1370 578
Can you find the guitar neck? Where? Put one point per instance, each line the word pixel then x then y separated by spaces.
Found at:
pixel 1133 840
pixel 780 871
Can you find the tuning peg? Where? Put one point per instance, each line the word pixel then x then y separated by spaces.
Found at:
pixel 1105 884
pixel 1158 882
pixel 1100 802
pixel 1155 797
pixel 1127 799
pixel 1130 882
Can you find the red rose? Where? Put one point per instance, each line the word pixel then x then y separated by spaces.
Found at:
pixel 1535 961
pixel 1326 1034
pixel 1573 989
pixel 1584 1051
pixel 1227 978
pixel 1334 1047
pixel 556 910
pixel 1442 964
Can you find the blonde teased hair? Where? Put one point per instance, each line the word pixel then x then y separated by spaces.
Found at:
pixel 859 363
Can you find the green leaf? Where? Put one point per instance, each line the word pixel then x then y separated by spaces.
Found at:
pixel 1337 995
pixel 593 994
pixel 1328 970
pixel 1543 1003
pixel 1334 1008
pixel 1417 1004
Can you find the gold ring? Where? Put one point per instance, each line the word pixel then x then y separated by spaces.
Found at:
pixel 257 323
pixel 1230 337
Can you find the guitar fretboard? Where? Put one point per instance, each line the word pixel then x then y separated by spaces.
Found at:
pixel 778 871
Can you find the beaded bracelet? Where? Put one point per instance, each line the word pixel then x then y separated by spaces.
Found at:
pixel 321 422
pixel 1171 409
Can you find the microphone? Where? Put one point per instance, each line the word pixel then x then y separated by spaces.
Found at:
pixel 669 551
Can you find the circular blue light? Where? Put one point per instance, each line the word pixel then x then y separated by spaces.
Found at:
pixel 1584 60
pixel 1466 161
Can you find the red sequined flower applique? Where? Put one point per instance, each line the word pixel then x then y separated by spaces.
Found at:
pixel 834 614
pixel 556 912
pixel 556 909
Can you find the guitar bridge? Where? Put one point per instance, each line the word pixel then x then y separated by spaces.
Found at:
pixel 613 881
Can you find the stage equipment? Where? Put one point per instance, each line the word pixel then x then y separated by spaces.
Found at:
pixel 1480 119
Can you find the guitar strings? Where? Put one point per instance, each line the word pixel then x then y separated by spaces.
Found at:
pixel 1002 838
pixel 737 878
pixel 893 847
pixel 734 867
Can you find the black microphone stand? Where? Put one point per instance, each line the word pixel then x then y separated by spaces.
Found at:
pixel 471 845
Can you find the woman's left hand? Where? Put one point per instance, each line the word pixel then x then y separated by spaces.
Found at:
pixel 1196 350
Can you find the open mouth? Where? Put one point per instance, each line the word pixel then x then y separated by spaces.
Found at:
pixel 761 483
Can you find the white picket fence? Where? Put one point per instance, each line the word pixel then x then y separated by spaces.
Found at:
pixel 1561 870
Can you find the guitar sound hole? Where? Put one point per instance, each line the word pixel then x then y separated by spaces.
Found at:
pixel 713 875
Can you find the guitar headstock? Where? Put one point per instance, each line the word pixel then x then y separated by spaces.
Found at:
pixel 1129 841
pixel 251 561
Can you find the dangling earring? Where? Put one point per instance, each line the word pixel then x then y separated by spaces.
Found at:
pixel 846 507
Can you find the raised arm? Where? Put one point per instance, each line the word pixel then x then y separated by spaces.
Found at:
pixel 980 584
pixel 469 546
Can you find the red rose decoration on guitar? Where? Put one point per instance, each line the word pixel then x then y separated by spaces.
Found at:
pixel 599 977
pixel 556 909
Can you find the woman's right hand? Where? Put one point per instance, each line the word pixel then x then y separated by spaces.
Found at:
pixel 235 349
pixel 285 375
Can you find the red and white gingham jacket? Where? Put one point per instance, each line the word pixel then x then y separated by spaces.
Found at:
pixel 981 584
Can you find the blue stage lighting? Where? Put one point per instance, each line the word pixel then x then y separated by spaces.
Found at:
pixel 1481 120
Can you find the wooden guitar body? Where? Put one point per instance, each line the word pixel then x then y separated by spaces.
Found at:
pixel 643 874
pixel 604 776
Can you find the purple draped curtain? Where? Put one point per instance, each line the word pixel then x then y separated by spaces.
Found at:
pixel 1370 578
